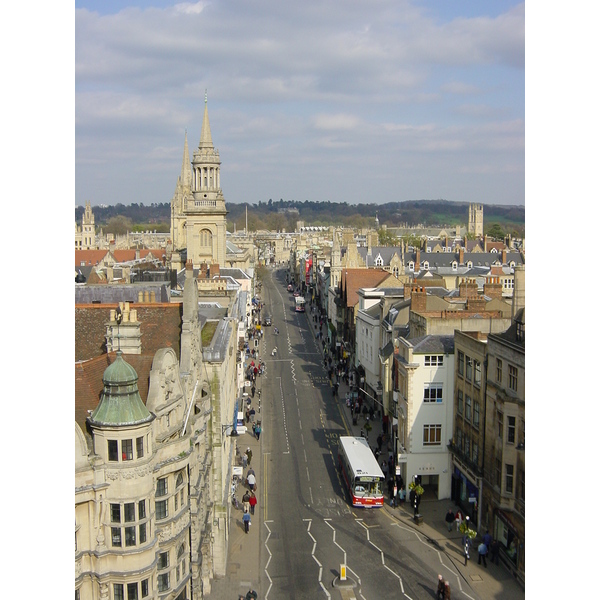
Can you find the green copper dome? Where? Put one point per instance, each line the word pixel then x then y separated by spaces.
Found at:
pixel 120 402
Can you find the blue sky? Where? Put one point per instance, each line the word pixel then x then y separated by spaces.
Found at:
pixel 356 101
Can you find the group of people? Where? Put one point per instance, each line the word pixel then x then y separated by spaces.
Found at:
pixel 249 499
pixel 443 589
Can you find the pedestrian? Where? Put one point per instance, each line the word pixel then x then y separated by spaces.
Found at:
pixel 449 519
pixel 251 479
pixel 244 460
pixel 447 590
pixel 257 431
pixel 252 502
pixel 495 551
pixel 458 519
pixel 249 455
pixel 246 502
pixel 379 442
pixel 440 588
pixel 482 550
pixel 246 520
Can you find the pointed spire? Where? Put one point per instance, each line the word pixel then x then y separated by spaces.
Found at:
pixel 205 137
pixel 186 169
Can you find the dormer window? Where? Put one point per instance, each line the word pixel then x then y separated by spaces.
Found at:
pixel 470 264
pixel 411 265
pixel 454 265
pixel 379 261
pixel 426 265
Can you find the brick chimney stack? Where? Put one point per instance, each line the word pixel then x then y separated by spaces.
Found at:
pixel 418 299
pixel 461 256
pixel 493 288
pixel 503 256
pixel 418 260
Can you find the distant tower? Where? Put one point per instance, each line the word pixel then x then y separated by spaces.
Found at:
pixel 198 213
pixel 475 219
pixel 88 229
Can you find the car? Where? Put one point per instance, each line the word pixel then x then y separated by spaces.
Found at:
pixel 267 321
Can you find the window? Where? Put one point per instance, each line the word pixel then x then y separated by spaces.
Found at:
pixel 115 513
pixel 142 533
pixel 500 418
pixel 115 533
pixel 144 587
pixel 142 509
pixel 468 407
pixel 477 378
pixel 432 392
pixel 113 450
pixel 510 433
pixel 127 449
pixel 161 510
pixel 469 371
pixel 459 439
pixel 498 370
pixel 509 478
pixel 129 512
pixel 163 582
pixel 475 413
pixel 461 363
pixel 118 591
pixel 130 536
pixel 512 377
pixel 475 456
pixel 432 435
pixel 161 487
pixel 467 446
pixel 179 479
pixel 132 591
pixel 163 560
pixel 459 402
pixel 139 447
pixel 498 471
pixel 435 360
pixel 522 486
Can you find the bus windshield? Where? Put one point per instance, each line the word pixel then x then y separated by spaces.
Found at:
pixel 367 488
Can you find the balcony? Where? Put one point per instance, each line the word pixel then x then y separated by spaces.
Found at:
pixel 466 460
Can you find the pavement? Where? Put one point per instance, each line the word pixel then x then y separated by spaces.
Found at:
pixel 243 567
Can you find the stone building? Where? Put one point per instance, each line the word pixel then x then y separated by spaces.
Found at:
pixel 475 226
pixel 85 235
pixel 151 510
pixel 198 213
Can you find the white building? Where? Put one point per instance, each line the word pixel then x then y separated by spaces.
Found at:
pixel 423 388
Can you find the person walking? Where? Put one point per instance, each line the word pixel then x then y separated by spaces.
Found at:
pixel 251 482
pixel 449 519
pixel 246 502
pixel 482 550
pixel 440 588
pixel 257 431
pixel 246 520
pixel 447 590
pixel 458 519
pixel 487 539
pixel 252 502
pixel 249 455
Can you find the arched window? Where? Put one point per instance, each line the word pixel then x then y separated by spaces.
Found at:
pixel 205 238
pixel 179 479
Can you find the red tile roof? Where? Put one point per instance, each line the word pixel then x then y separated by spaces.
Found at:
pixel 354 279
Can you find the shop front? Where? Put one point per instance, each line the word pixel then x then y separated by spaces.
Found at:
pixel 512 548
pixel 465 493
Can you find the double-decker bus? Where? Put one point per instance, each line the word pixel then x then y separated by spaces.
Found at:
pixel 361 472
pixel 300 302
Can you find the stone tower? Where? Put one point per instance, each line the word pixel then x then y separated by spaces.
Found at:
pixel 198 213
pixel 475 219
pixel 88 229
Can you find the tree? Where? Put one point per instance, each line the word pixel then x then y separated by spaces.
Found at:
pixel 495 231
pixel 118 225
pixel 387 238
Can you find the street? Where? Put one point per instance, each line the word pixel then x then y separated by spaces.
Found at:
pixel 309 527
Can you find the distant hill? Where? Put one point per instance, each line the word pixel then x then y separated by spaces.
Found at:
pixel 284 214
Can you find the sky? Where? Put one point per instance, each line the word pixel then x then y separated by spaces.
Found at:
pixel 361 101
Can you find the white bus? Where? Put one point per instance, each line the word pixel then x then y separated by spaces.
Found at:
pixel 361 472
pixel 300 302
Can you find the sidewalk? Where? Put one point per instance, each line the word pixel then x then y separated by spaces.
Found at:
pixel 243 560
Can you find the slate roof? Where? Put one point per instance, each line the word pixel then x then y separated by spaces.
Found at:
pixel 433 344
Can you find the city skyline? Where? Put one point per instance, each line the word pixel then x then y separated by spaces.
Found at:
pixel 408 101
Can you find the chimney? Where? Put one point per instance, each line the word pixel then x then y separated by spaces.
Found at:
pixel 493 288
pixel 485 243
pixel 467 289
pixel 503 256
pixel 461 256
pixel 418 299
pixel 215 270
pixel 518 300
pixel 417 260
pixel 407 290
pixel 476 304
pixel 112 246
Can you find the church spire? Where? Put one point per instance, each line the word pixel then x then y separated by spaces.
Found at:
pixel 205 137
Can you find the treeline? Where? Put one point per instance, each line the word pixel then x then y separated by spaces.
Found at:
pixel 283 214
